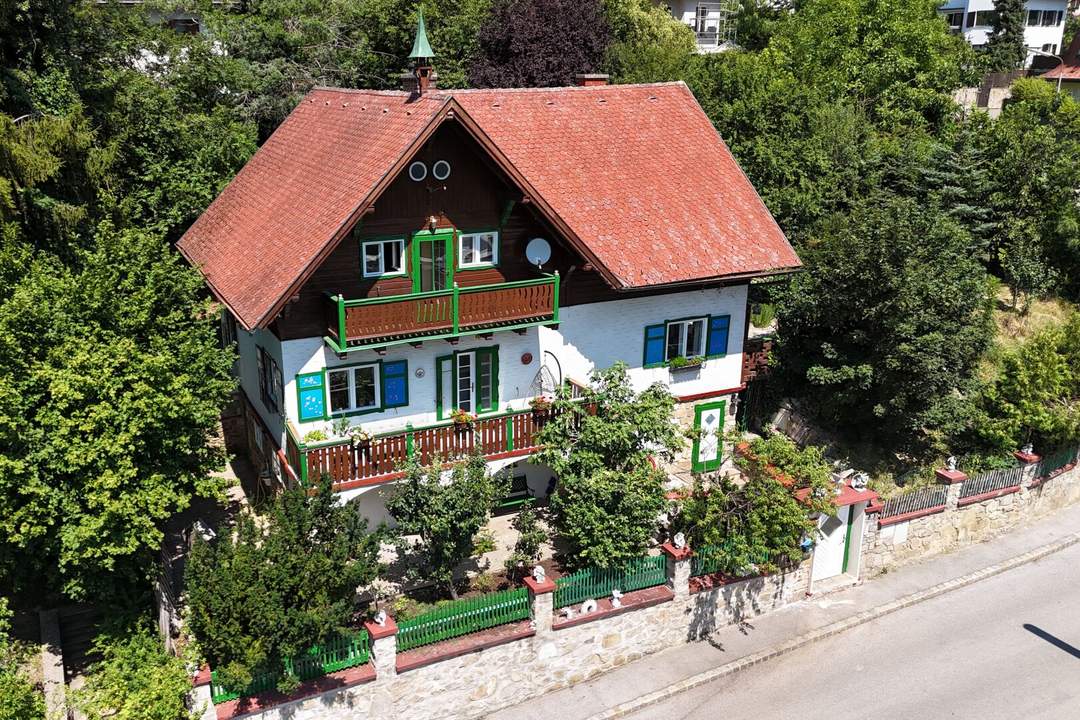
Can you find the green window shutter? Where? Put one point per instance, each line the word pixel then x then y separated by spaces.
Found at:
pixel 718 335
pixel 395 384
pixel 442 365
pixel 654 346
pixel 311 396
pixel 487 379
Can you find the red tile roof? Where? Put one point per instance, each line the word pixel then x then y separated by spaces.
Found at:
pixel 1070 68
pixel 635 174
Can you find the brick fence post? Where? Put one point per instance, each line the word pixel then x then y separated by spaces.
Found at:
pixel 383 648
pixel 1030 462
pixel 678 568
pixel 954 479
pixel 541 603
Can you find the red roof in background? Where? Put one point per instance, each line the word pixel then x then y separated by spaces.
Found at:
pixel 636 174
pixel 1070 69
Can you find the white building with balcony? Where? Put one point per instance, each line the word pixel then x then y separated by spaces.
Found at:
pixel 713 22
pixel 1045 22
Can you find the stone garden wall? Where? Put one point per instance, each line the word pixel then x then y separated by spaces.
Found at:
pixel 483 680
pixel 888 546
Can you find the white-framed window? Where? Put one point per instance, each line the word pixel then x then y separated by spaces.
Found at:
pixel 383 257
pixel 417 171
pixel 353 388
pixel 440 170
pixel 685 338
pixel 478 249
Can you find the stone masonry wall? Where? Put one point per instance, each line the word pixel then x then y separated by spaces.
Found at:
pixel 481 682
pixel 891 546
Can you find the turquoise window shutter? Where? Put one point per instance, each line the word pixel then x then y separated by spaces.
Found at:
pixel 311 396
pixel 654 345
pixel 718 335
pixel 395 384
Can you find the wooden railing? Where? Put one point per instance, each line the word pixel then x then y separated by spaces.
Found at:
pixel 382 457
pixel 369 322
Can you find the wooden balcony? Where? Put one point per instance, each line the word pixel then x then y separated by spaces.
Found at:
pixel 382 321
pixel 352 465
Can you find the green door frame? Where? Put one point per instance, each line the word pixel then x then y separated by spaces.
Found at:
pixel 847 537
pixel 695 464
pixel 447 236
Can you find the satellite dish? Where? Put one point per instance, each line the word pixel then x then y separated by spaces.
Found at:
pixel 538 251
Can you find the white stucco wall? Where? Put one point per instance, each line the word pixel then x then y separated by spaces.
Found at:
pixel 589 336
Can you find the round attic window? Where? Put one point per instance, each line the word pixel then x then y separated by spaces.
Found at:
pixel 441 170
pixel 417 171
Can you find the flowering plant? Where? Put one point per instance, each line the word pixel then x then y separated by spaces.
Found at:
pixel 462 418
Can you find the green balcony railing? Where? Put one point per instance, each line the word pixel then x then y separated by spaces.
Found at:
pixel 394 319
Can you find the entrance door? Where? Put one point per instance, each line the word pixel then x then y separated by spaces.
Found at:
pixel 830 554
pixel 433 268
pixel 708 436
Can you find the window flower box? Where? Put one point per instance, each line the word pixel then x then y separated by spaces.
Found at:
pixel 462 418
pixel 681 363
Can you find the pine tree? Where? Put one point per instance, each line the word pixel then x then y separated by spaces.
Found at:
pixel 1006 49
pixel 957 175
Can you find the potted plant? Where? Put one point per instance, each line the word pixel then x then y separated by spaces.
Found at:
pixel 360 436
pixel 540 404
pixel 462 418
pixel 685 363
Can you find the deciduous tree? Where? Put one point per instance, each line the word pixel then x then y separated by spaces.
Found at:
pixel 609 493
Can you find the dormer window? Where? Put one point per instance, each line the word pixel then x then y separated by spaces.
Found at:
pixel 478 249
pixel 381 258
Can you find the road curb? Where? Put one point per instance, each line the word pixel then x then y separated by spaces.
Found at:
pixel 831 629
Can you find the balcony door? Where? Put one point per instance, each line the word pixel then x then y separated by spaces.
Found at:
pixel 432 266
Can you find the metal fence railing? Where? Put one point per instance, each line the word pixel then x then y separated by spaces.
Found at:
pixel 1056 461
pixel 919 499
pixel 594 582
pixel 991 481
pixel 462 617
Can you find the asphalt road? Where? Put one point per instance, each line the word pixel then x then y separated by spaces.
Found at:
pixel 1006 648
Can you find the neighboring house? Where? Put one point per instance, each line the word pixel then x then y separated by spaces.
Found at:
pixel 392 257
pixel 974 18
pixel 713 22
pixel 1067 74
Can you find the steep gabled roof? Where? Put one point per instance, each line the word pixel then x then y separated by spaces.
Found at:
pixel 296 196
pixel 635 176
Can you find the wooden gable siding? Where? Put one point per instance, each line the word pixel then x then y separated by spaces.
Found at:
pixel 476 197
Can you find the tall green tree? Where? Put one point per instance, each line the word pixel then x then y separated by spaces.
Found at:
pixel 446 516
pixel 884 329
pixel 1006 48
pixel 113 380
pixel 609 494
pixel 279 584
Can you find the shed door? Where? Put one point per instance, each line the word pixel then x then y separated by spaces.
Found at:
pixel 832 544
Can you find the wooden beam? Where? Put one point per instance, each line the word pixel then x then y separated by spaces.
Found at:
pixel 485 336
pixel 380 351
pixel 418 344
pixel 453 340
pixel 521 331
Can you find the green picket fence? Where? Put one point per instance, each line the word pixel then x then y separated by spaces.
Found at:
pixel 706 559
pixel 462 617
pixel 339 653
pixel 596 582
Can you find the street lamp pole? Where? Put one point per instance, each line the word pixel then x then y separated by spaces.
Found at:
pixel 1061 62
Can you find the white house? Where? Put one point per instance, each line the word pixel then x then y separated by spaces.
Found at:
pixel 1044 28
pixel 713 21
pixel 424 264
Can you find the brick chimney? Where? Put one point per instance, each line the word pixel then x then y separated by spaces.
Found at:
pixel 591 79
pixel 420 80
